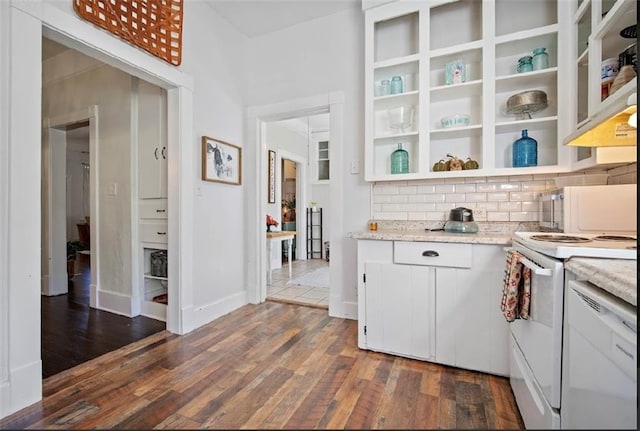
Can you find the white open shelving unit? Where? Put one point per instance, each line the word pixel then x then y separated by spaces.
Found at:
pixel 417 39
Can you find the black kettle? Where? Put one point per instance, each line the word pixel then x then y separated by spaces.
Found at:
pixel 461 221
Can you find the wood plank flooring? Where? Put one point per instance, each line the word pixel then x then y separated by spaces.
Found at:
pixel 272 365
pixel 73 333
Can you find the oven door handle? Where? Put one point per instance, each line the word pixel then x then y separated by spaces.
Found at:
pixel 537 270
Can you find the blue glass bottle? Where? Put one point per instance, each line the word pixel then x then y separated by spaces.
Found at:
pixel 400 161
pixel 525 151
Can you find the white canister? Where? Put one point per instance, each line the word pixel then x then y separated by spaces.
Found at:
pixel 609 69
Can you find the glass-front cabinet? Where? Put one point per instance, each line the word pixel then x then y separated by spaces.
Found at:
pixel 446 78
pixel 605 42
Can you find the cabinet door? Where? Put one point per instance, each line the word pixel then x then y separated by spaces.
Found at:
pixel 152 141
pixel 399 309
pixel 470 329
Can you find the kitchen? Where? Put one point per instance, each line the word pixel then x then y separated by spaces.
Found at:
pixel 356 193
pixel 566 233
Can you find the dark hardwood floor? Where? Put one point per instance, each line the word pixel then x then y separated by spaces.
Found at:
pixel 272 365
pixel 73 333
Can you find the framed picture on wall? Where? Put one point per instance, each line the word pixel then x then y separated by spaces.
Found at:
pixel 271 172
pixel 221 161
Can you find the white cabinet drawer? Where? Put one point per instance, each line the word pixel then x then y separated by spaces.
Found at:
pixel 155 232
pixel 432 254
pixel 153 208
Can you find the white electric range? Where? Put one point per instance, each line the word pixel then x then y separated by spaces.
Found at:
pixel 564 246
pixel 537 343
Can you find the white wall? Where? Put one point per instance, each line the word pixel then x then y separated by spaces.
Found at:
pixel 310 59
pixel 213 54
pixel 110 89
pixel 281 138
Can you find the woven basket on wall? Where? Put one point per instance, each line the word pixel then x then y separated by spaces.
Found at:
pixel 153 25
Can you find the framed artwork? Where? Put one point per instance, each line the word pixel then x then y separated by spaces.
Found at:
pixel 221 161
pixel 271 170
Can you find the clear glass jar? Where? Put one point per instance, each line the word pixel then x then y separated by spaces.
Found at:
pixel 540 59
pixel 385 87
pixel 396 85
pixel 525 151
pixel 400 161
pixel 524 64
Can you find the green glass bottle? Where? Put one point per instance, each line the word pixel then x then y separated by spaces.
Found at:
pixel 400 161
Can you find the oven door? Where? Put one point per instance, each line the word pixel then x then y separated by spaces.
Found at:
pixel 539 338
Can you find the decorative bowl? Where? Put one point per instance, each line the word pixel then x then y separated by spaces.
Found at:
pixel 457 120
pixel 400 118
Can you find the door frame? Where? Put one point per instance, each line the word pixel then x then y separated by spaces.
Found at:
pixel 23 24
pixel 256 199
pixel 56 271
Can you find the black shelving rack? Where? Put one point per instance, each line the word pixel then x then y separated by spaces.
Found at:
pixel 314 233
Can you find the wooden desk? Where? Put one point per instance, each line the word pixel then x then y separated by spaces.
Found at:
pixel 278 236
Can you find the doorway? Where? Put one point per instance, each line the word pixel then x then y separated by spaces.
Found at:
pixel 302 198
pixel 71 243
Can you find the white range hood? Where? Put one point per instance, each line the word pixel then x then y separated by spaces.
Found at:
pixel 610 127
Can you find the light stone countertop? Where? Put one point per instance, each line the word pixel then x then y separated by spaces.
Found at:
pixel 498 233
pixel 499 238
pixel 617 276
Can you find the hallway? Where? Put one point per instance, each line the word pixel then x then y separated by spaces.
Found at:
pixel 73 333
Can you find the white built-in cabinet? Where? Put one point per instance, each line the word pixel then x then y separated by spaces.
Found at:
pixel 151 106
pixel 152 141
pixel 597 26
pixel 433 301
pixel 416 40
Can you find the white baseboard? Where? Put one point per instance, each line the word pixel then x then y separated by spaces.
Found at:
pixel 115 303
pixel 341 309
pixel 23 388
pixel 5 399
pixel 195 317
pixel 61 286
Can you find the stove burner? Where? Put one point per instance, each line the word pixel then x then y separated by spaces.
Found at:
pixel 560 238
pixel 614 238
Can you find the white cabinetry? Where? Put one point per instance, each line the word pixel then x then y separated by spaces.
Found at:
pixel 151 105
pixel 152 141
pixel 433 301
pixel 598 24
pixel 416 41
pixel 153 239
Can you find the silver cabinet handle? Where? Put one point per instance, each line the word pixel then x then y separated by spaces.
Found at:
pixel 430 253
pixel 155 153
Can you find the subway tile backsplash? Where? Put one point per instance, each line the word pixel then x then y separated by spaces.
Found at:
pixel 503 198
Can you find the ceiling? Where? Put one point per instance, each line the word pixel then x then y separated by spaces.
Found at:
pixel 257 17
